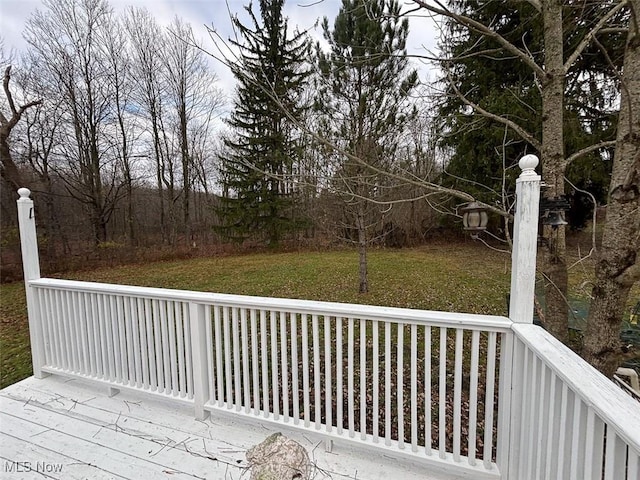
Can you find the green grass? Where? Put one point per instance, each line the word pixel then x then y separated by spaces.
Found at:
pixel 462 277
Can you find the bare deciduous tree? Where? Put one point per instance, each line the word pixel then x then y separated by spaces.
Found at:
pixel 7 123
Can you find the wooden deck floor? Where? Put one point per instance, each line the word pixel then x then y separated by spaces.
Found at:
pixel 66 429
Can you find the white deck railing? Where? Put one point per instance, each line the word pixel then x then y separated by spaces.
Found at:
pixel 568 420
pixel 417 383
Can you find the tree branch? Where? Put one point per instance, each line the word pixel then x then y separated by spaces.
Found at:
pixel 586 40
pixel 589 149
pixel 485 31
pixel 497 118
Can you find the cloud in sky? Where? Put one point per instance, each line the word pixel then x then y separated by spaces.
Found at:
pixel 302 14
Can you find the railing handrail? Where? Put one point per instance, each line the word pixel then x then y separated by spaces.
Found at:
pixel 607 400
pixel 371 312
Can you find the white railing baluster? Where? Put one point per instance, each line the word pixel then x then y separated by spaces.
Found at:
pixel 305 369
pixel 180 337
pixel 350 375
pixel 254 362
pixel 427 390
pixel 211 366
pixel 157 339
pixel 489 400
pixel 82 332
pixel 173 351
pixel 151 354
pixel 95 324
pixel 525 405
pixel 73 340
pixel 275 377
pixel 141 340
pixel 115 339
pixel 131 371
pixel 284 353
pixel 339 376
pixel 46 356
pixel 533 403
pixel 317 386
pixel 328 383
pixel 61 340
pixel 122 334
pixel 228 359
pixel 362 325
pixel 442 395
pixel 186 316
pixel 414 388
pixel 220 368
pixel 265 362
pixel 633 466
pixel 375 408
pixel 457 396
pixel 293 318
pixel 542 408
pixel 70 329
pixel 106 337
pixel 53 328
pixel 400 384
pixel 237 378
pixel 550 433
pixel 577 442
pixel 135 337
pixel 564 429
pixel 197 330
pixel 594 446
pixel 473 395
pixel 387 383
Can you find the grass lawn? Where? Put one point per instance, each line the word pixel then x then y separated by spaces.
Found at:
pixel 465 277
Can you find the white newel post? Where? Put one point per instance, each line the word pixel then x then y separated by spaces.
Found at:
pixel 523 279
pixel 198 319
pixel 525 242
pixel 31 268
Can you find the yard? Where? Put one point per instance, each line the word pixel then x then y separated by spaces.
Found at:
pixel 466 278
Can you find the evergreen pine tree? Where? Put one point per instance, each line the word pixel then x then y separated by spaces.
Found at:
pixel 500 83
pixel 262 151
pixel 367 84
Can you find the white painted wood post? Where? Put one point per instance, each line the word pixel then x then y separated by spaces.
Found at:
pixel 525 242
pixel 523 279
pixel 31 269
pixel 199 348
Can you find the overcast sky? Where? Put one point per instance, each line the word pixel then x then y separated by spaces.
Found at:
pixel 301 13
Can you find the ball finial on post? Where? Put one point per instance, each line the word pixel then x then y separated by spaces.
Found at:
pixel 24 192
pixel 528 164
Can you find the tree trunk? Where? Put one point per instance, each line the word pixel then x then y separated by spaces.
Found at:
pixel 362 249
pixel 618 265
pixel 9 169
pixel 554 266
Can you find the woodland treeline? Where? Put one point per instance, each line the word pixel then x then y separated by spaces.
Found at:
pixel 125 141
pixel 128 143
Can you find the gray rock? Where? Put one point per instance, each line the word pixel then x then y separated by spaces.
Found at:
pixel 279 458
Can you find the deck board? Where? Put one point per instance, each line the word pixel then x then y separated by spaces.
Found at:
pixel 87 434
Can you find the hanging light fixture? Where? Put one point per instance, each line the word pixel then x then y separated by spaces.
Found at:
pixel 474 217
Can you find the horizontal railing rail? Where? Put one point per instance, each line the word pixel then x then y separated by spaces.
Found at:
pixel 571 422
pixel 416 383
pixel 468 320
